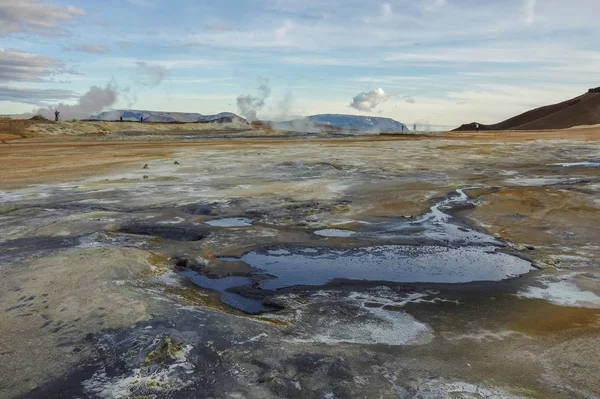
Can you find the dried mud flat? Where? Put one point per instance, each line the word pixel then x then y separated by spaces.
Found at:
pixel 451 266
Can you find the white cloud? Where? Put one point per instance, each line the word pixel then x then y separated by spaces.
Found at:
pixel 19 66
pixel 501 52
pixel 386 17
pixel 88 48
pixel 143 3
pixel 528 13
pixel 124 43
pixel 173 62
pixel 387 11
pixel 434 5
pixel 28 95
pixel 392 79
pixel 326 60
pixel 367 101
pixel 35 17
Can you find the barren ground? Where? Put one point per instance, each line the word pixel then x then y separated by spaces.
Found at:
pixel 95 249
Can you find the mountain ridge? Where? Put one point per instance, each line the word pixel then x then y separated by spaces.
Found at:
pixel 359 122
pixel 311 123
pixel 343 122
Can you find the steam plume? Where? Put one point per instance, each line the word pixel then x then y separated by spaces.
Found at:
pixel 302 125
pixel 249 105
pixel 93 101
pixel 150 75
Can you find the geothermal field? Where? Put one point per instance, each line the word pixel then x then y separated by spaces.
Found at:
pixel 226 261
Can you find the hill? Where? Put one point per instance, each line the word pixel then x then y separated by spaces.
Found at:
pixel 157 116
pixel 356 122
pixel 582 110
pixel 339 122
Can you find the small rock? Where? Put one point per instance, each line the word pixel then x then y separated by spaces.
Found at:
pixel 145 166
pixel 531 248
pixel 176 163
pixel 145 176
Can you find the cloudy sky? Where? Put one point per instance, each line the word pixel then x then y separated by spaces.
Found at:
pixel 440 62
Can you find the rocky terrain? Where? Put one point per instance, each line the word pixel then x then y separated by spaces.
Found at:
pixel 447 266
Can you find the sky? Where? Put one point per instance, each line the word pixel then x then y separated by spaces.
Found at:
pixel 436 63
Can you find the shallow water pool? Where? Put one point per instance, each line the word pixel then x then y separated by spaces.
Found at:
pixel 393 263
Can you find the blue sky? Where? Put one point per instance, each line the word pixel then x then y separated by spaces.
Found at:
pixel 440 62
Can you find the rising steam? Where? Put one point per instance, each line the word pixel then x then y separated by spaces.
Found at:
pixel 95 100
pixel 303 125
pixel 248 105
pixel 150 75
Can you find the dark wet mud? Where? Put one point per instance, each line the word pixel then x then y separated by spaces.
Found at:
pixel 166 232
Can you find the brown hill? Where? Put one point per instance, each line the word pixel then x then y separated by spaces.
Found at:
pixel 582 110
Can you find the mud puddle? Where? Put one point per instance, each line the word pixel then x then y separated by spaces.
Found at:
pixel 337 233
pixel 392 263
pixel 454 254
pixel 230 222
pixel 291 266
pixel 247 305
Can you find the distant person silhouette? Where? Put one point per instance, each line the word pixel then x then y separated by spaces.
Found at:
pixel 477 126
pixel 121 119
pixel 141 119
pixel 56 114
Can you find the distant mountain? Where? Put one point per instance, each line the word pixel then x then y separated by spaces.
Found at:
pixel 582 110
pixel 367 124
pixel 157 116
pixel 357 122
pixel 313 123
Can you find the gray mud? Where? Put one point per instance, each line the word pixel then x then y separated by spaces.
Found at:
pixel 342 273
pixel 167 232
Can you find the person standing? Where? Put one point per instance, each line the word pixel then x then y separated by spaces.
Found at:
pixel 56 115
pixel 141 119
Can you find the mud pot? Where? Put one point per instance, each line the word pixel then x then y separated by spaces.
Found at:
pixel 308 267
